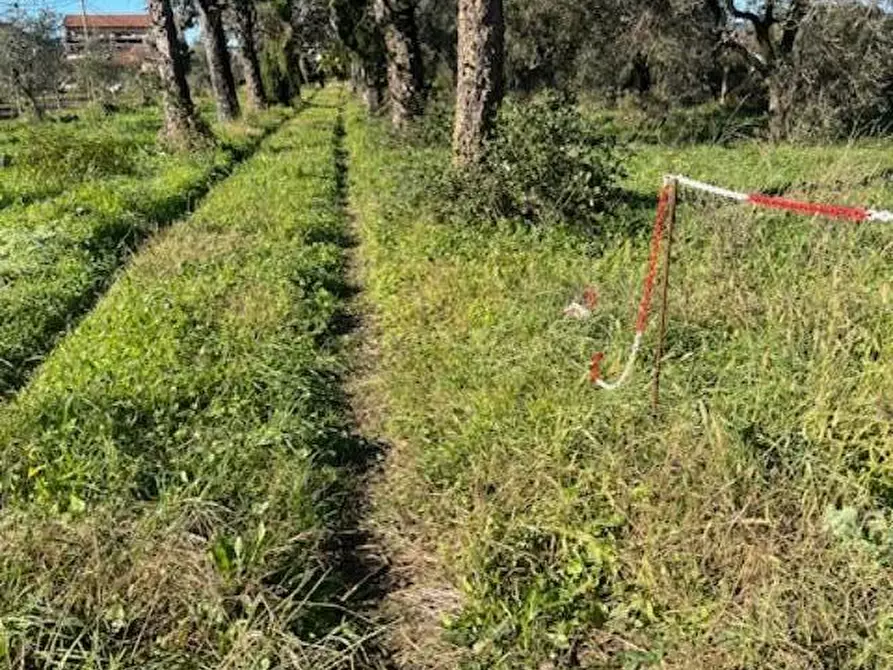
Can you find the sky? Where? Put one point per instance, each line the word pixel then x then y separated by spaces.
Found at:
pixel 99 6
pixel 93 6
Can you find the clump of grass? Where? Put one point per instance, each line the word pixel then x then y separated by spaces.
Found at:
pixel 47 159
pixel 746 525
pixel 56 256
pixel 179 462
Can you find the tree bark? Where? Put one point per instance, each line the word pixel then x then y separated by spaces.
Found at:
pixel 406 84
pixel 245 20
pixel 724 87
pixel 369 81
pixel 779 110
pixel 182 126
pixel 214 38
pixel 480 77
pixel 26 91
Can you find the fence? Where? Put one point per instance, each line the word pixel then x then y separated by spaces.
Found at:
pixel 663 230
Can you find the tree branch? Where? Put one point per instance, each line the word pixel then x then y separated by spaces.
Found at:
pixel 741 14
pixel 752 58
pixel 792 23
pixel 769 14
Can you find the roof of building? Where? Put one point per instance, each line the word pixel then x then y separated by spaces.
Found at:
pixel 122 21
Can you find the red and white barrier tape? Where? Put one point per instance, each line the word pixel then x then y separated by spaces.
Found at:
pixel 657 236
pixel 855 214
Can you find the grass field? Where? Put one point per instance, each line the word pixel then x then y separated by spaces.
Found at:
pixel 184 485
pixel 111 186
pixel 176 469
pixel 540 523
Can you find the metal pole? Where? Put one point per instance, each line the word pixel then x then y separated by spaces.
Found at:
pixel 673 185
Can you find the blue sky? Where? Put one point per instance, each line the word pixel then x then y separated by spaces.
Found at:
pixel 93 6
pixel 99 6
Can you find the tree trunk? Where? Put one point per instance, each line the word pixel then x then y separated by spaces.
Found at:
pixel 480 75
pixel 406 85
pixel 369 81
pixel 724 87
pixel 219 64
pixel 36 107
pixel 778 109
pixel 182 126
pixel 32 99
pixel 245 20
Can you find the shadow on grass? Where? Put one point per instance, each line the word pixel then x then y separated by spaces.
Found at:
pixel 357 572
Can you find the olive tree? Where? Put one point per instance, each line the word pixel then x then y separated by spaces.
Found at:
pixel 480 77
pixel 223 82
pixel 182 125
pixel 31 62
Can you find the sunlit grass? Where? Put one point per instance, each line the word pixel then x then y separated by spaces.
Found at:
pixel 57 254
pixel 747 525
pixel 174 469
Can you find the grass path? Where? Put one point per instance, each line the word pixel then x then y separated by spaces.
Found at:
pixel 179 475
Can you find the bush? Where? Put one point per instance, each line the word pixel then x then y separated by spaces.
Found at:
pixel 547 164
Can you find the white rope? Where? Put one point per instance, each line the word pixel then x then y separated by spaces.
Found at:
pixel 709 188
pixel 881 215
pixel 628 370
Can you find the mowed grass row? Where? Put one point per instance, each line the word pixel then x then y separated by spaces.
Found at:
pixel 172 471
pixel 543 523
pixel 57 255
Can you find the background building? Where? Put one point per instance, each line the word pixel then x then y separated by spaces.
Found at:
pixel 124 34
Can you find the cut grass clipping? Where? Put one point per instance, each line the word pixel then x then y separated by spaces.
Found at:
pixel 57 255
pixel 172 470
pixel 545 524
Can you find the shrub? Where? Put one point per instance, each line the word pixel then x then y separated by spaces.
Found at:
pixel 547 164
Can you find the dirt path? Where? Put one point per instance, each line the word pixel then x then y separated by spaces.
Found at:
pixel 358 554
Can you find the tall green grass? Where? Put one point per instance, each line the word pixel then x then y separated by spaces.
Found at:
pixel 175 469
pixel 542 523
pixel 57 255
pixel 43 160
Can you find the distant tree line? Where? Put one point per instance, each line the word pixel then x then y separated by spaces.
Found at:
pixel 819 65
pixel 814 65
